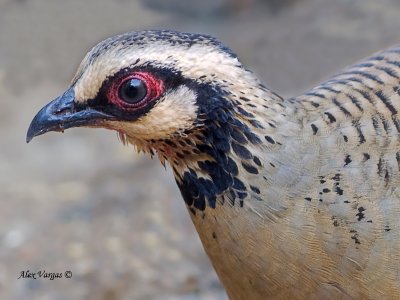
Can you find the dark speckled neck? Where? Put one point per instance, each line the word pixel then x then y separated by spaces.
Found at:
pixel 223 134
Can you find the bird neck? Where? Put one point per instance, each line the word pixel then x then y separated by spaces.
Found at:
pixel 230 158
pixel 232 169
pixel 233 183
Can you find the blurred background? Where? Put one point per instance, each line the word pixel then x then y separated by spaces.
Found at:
pixel 82 202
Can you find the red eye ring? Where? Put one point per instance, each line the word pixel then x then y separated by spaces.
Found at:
pixel 154 88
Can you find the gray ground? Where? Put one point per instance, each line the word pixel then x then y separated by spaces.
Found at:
pixel 83 202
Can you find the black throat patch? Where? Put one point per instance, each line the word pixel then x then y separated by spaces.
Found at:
pixel 226 141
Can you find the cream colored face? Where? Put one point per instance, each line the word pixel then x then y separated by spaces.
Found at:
pixel 176 109
pixel 175 112
pixel 172 70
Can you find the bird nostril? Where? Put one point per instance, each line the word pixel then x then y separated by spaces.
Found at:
pixel 63 105
pixel 64 111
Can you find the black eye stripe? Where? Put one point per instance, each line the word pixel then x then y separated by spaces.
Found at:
pixel 170 77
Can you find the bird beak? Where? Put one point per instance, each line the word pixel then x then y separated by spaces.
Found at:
pixel 62 113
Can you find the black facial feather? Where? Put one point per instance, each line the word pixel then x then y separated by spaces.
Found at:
pixel 220 133
pixel 170 77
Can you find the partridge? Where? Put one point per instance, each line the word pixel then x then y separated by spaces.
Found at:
pixel 293 198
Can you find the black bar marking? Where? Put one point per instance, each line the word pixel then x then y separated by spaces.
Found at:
pixel 375 123
pixel 378 57
pixel 339 191
pixel 361 136
pixel 350 79
pixel 257 161
pixel 386 101
pixel 315 104
pixel 355 101
pixel 347 160
pixel 394 63
pixel 345 111
pixel 366 157
pixel 314 129
pixel 241 151
pixel 389 71
pixel 249 168
pixel 328 88
pixel 316 95
pixel 385 124
pixel 380 166
pixel 365 94
pixel 331 118
pixel 363 65
pixel 396 123
pixel 269 139
pixel 365 75
pixel 255 189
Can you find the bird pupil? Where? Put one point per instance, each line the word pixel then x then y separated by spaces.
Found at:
pixel 133 91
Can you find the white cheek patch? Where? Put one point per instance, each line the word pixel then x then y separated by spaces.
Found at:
pixel 173 114
pixel 88 85
pixel 193 62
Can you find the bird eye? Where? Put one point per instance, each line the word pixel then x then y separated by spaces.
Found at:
pixel 135 91
pixel 132 91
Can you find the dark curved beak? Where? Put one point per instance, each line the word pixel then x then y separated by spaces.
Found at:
pixel 62 113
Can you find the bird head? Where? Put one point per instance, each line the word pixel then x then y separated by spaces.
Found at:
pixel 145 85
pixel 180 95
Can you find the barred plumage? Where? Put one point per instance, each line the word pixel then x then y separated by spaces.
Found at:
pixel 292 198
